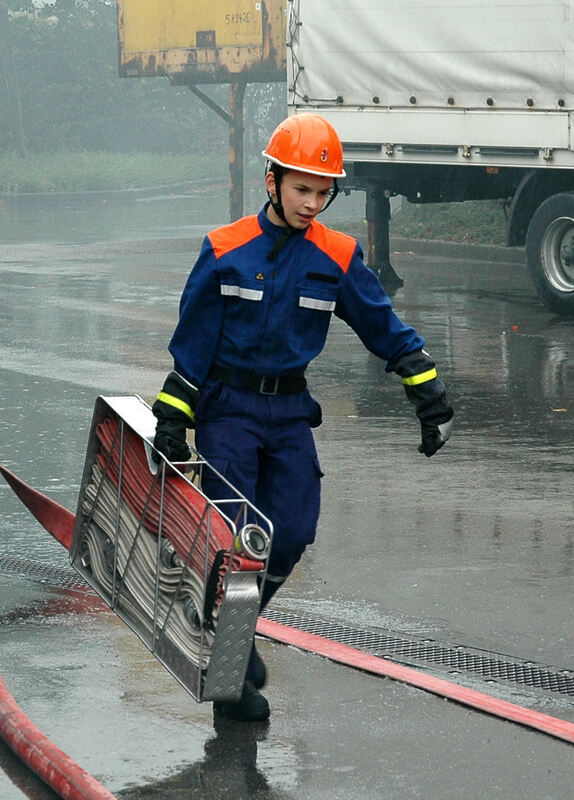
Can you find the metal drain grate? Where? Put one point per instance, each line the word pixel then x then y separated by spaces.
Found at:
pixel 39 571
pixel 385 645
pixel 489 666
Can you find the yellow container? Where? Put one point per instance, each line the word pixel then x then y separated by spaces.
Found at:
pixel 203 41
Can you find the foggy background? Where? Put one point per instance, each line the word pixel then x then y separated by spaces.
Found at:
pixel 60 91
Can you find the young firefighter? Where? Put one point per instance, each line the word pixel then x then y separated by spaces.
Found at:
pixel 254 312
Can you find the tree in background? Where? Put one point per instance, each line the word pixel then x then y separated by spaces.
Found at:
pixel 61 90
pixel 13 136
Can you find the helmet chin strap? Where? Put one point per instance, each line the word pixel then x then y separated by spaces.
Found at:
pixel 334 194
pixel 277 205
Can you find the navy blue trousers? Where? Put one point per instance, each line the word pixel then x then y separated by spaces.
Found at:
pixel 264 446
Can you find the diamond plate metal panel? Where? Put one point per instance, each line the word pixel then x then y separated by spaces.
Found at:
pixel 234 638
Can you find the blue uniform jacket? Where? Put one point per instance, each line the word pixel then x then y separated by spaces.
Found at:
pixel 241 310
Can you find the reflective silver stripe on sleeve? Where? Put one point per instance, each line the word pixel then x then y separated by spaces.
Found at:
pixel 241 291
pixel 317 305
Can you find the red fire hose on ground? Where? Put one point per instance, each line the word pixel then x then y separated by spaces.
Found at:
pixel 71 782
pixel 51 764
pixel 352 657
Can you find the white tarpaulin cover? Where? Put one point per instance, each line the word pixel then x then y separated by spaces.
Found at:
pixel 432 50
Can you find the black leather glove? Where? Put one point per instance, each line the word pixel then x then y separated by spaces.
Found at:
pixel 175 411
pixel 428 394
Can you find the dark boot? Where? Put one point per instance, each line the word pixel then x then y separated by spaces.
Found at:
pixel 256 671
pixel 251 706
pixel 270 587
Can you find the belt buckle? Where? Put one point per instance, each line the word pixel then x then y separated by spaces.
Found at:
pixel 263 385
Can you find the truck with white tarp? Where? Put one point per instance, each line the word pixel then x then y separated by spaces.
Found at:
pixel 450 101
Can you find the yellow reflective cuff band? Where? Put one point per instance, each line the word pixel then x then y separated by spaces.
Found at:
pixel 422 377
pixel 170 400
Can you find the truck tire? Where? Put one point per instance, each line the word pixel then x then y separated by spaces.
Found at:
pixel 550 252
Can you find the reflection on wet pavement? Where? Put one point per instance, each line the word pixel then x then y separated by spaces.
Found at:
pixel 474 546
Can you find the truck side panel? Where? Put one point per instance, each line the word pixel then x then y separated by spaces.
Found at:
pixel 462 49
pixel 446 100
pixel 458 81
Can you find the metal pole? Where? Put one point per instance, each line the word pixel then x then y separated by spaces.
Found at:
pixel 236 95
pixel 378 214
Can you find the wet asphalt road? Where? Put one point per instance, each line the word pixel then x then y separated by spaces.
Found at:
pixel 473 547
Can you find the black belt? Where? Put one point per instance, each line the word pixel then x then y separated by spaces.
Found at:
pixel 263 384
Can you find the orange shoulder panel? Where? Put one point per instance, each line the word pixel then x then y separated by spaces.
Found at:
pixel 339 246
pixel 227 238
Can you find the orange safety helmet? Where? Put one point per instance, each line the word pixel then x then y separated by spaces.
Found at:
pixel 307 143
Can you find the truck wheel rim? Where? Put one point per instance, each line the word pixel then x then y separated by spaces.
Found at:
pixel 557 254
